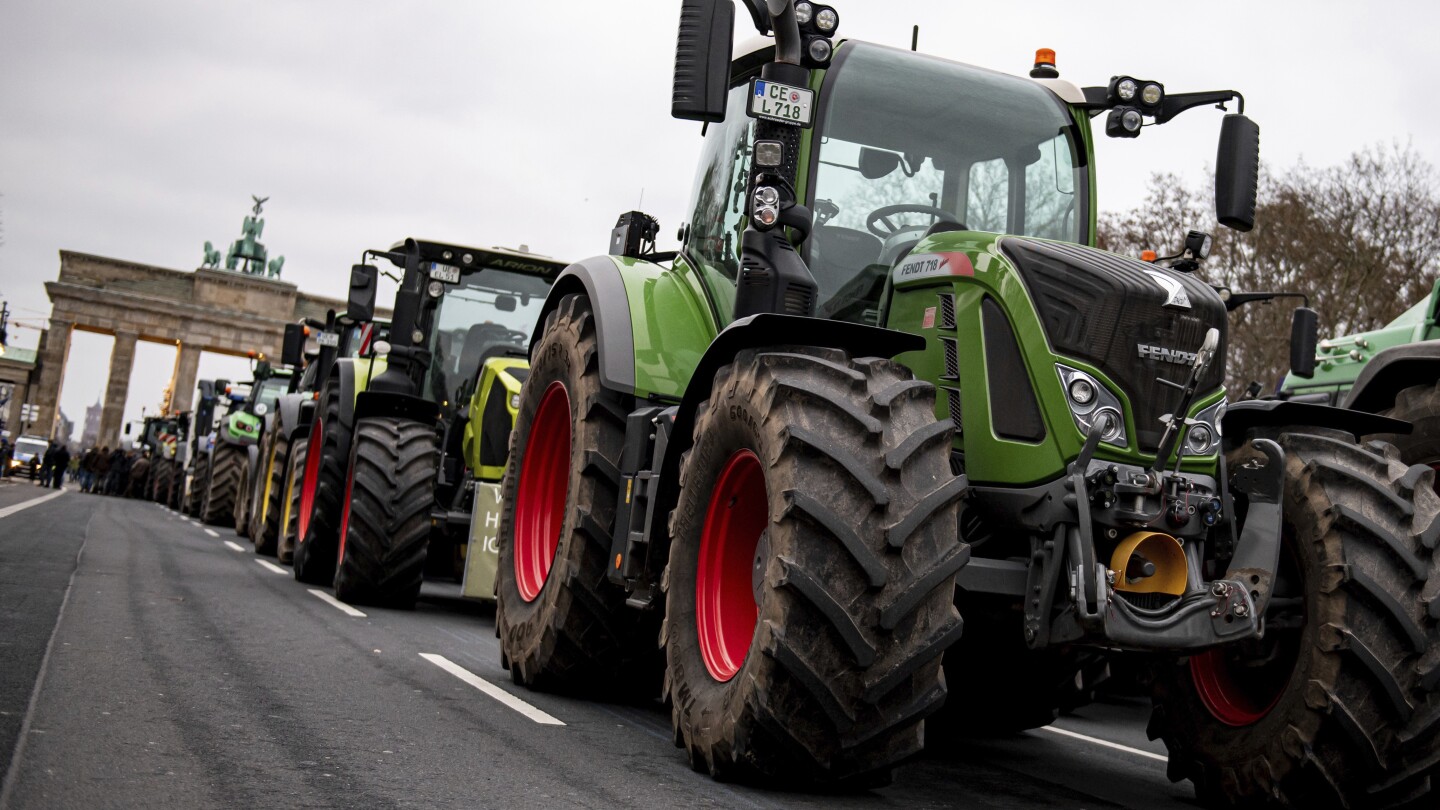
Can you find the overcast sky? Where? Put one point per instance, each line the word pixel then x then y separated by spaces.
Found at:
pixel 139 129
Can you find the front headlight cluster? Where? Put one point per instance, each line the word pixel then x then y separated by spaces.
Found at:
pixel 817 26
pixel 1203 436
pixel 1092 403
pixel 1131 100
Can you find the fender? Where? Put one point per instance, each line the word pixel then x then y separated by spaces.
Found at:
pixel 1391 371
pixel 599 279
pixel 1247 414
pixel 288 414
pixel 403 406
pixel 353 376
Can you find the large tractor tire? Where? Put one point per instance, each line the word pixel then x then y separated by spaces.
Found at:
pixel 322 490
pixel 244 497
pixel 199 481
pixel 161 474
pixel 385 520
pixel 1420 406
pixel 270 491
pixel 811 581
pixel 1337 706
pixel 562 624
pixel 290 506
pixel 227 465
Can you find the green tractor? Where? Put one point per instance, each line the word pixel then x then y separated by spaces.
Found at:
pixel 392 489
pixel 234 446
pixel 886 382
pixel 1393 371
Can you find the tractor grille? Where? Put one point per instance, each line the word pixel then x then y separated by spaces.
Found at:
pixel 947 311
pixel 952 401
pixel 952 359
pixel 1101 308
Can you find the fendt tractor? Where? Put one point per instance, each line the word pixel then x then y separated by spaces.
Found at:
pixel 392 489
pixel 886 376
pixel 314 346
pixel 202 425
pixel 1393 371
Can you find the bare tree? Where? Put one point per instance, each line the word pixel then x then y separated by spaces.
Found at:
pixel 1361 239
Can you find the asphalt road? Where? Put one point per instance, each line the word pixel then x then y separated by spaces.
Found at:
pixel 183 671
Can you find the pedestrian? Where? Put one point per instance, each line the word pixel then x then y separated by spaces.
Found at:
pixel 47 467
pixel 60 466
pixel 102 470
pixel 115 477
pixel 87 469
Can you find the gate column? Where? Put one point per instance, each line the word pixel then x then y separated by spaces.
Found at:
pixel 122 360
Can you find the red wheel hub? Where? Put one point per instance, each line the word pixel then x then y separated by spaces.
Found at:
pixel 345 513
pixel 312 472
pixel 540 494
pixel 1234 696
pixel 725 607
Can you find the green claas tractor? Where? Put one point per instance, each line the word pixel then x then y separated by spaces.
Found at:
pixel 390 487
pixel 198 452
pixel 1393 371
pixel 886 382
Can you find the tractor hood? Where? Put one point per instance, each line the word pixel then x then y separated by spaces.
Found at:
pixel 1138 322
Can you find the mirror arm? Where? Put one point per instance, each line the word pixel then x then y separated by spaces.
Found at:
pixel 1176 103
pixel 1237 300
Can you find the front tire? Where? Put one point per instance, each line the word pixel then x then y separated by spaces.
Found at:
pixel 385 520
pixel 1338 704
pixel 265 524
pixel 809 592
pixel 227 463
pixel 322 489
pixel 199 480
pixel 290 516
pixel 562 624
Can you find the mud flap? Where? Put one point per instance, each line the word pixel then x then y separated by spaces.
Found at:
pixel 483 556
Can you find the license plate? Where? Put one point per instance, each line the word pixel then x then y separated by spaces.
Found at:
pixel 445 273
pixel 330 339
pixel 774 101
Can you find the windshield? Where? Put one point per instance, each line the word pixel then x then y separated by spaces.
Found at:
pixel 908 141
pixel 30 447
pixel 489 314
pixel 271 389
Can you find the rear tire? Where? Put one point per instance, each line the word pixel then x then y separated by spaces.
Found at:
pixel 1338 705
pixel 265 525
pixel 290 516
pixel 568 629
pixel 160 477
pixel 322 490
pixel 849 570
pixel 385 520
pixel 1420 406
pixel 227 463
pixel 242 500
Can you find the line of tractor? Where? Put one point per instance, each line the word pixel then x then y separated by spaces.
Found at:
pixel 884 453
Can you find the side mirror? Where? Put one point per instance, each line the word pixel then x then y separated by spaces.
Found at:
pixel 877 163
pixel 702 60
pixel 1304 333
pixel 1237 172
pixel 364 281
pixel 292 348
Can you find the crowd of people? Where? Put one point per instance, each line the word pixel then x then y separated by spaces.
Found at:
pixel 99 470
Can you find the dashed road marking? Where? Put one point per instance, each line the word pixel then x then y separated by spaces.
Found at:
pixel 336 603
pixel 234 546
pixel 509 700
pixel 269 566
pixel 1106 743
pixel 212 533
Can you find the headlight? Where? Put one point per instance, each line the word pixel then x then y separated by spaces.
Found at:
pixel 1131 120
pixel 515 401
pixel 1198 439
pixel 1151 94
pixel 1203 437
pixel 820 49
pixel 1126 89
pixel 1093 404
pixel 826 20
pixel 436 289
pixel 261 409
pixel 803 12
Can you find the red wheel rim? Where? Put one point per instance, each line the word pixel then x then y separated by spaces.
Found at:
pixel 540 495
pixel 1224 690
pixel 312 472
pixel 345 513
pixel 725 607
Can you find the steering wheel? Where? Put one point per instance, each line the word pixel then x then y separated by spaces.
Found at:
pixel 882 215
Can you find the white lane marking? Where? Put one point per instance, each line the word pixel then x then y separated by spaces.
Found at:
pixel 234 546
pixel 1106 743
pixel 336 603
pixel 10 510
pixel 212 532
pixel 492 690
pixel 269 566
